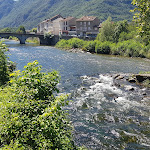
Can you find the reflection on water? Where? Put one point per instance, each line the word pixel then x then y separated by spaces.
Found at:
pixel 104 115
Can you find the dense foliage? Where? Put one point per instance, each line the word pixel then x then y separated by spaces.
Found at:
pixel 142 17
pixel 30 12
pixel 21 29
pixel 4 74
pixel 34 30
pixel 31 116
pixel 116 38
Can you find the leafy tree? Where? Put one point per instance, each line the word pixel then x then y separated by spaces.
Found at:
pixel 21 29
pixel 121 26
pixel 31 116
pixel 106 31
pixel 4 75
pixel 142 17
pixel 34 30
pixel 6 30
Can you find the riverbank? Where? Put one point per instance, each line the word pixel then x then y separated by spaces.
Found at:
pixel 100 111
pixel 129 48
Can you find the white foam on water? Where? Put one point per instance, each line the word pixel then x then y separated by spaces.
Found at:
pixel 115 133
pixel 14 49
pixel 100 89
pixel 125 103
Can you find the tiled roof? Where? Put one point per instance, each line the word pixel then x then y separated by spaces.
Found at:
pixel 86 18
pixel 53 18
pixel 68 18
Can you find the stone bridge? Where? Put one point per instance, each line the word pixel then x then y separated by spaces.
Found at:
pixel 23 36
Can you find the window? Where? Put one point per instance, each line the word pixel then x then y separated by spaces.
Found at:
pixel 89 23
pixel 80 23
pixel 66 28
pixel 85 28
pixel 96 28
pixel 89 28
pixel 80 28
pixel 66 22
pixel 85 23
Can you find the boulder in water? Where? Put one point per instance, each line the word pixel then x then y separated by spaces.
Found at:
pixel 142 77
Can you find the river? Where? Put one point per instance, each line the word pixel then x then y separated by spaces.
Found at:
pixel 104 115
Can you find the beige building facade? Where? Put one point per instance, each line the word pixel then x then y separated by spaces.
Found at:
pixel 50 25
pixel 87 25
pixel 57 25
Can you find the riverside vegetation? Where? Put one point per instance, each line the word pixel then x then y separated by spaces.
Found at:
pixel 119 38
pixel 31 116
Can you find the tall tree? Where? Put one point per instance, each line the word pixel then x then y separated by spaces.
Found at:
pixel 106 30
pixel 142 17
pixel 121 26
pixel 21 29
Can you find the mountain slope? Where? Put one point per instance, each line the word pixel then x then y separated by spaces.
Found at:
pixel 30 12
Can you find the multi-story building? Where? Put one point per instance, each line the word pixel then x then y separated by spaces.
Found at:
pixel 57 25
pixel 87 25
pixel 50 25
pixel 68 26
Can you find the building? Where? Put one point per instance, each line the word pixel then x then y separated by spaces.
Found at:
pixel 57 25
pixel 50 25
pixel 68 26
pixel 87 26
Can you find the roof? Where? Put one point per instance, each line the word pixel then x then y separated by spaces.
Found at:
pixel 55 17
pixel 87 18
pixel 68 18
pixel 52 19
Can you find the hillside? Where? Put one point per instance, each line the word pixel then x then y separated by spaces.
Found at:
pixel 30 12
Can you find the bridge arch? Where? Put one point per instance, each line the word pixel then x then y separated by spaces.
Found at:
pixel 33 39
pixel 23 37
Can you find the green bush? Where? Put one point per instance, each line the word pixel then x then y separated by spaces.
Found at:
pixel 90 46
pixel 128 48
pixel 6 30
pixel 76 43
pixel 71 43
pixel 102 47
pixel 31 117
pixel 64 44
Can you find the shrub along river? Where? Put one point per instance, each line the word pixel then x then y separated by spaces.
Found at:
pixel 106 113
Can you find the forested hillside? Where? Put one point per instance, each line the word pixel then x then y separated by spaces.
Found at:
pixel 30 12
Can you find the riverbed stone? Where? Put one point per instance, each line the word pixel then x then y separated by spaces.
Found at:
pixel 129 88
pixel 116 75
pixel 120 77
pixel 142 77
pixel 132 80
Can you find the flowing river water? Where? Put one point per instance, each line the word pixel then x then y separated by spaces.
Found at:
pixel 104 112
